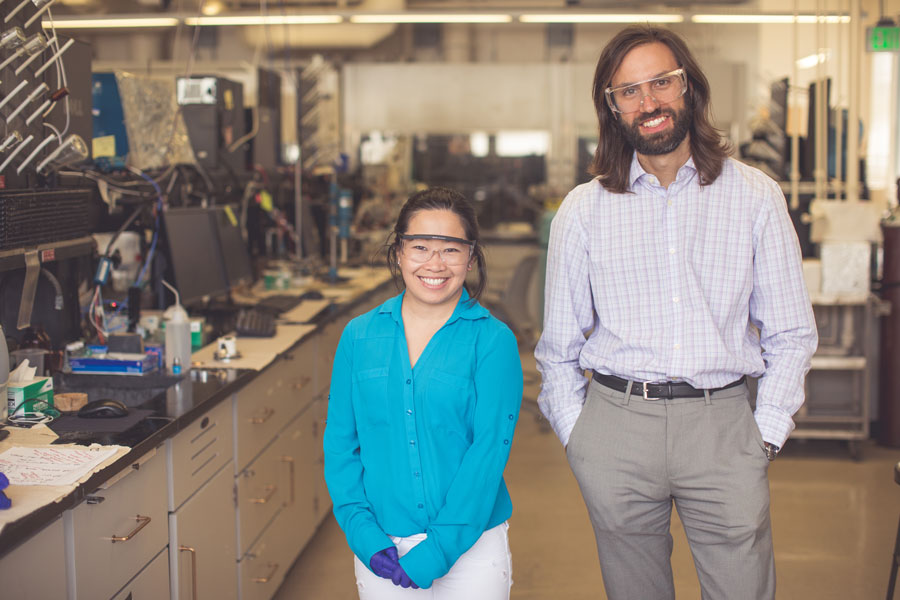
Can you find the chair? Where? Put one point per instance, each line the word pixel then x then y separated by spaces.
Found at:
pixel 512 307
pixel 895 562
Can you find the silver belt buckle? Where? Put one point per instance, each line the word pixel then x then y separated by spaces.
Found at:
pixel 646 397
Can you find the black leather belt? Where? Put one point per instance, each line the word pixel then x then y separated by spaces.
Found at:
pixel 659 391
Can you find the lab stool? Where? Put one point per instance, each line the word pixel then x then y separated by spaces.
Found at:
pixel 896 559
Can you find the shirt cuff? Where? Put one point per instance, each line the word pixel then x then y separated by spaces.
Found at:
pixel 774 424
pixel 563 420
pixel 369 542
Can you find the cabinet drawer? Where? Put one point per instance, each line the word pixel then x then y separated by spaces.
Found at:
pixel 260 494
pixel 20 579
pixel 150 584
pixel 197 453
pixel 118 530
pixel 264 566
pixel 263 407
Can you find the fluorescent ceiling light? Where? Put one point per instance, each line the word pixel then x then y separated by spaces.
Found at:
pixel 239 20
pixel 431 18
pixel 111 23
pixel 598 18
pixel 808 62
pixel 770 19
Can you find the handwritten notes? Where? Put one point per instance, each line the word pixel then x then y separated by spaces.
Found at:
pixel 51 466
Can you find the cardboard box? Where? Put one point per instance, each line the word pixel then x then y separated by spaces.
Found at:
pixel 29 396
pixel 120 363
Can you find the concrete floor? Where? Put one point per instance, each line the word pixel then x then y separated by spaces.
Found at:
pixel 834 525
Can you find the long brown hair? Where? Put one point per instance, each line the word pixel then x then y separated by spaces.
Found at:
pixel 612 159
pixel 439 198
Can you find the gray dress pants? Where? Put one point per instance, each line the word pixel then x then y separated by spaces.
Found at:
pixel 634 457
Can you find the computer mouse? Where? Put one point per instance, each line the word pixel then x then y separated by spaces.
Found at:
pixel 311 295
pixel 106 408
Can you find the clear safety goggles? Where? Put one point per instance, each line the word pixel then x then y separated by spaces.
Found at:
pixel 421 248
pixel 665 88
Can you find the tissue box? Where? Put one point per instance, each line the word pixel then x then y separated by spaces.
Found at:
pixel 29 396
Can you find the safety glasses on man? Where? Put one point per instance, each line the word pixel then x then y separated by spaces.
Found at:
pixel 630 97
pixel 421 248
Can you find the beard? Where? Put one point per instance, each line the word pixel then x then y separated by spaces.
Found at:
pixel 663 142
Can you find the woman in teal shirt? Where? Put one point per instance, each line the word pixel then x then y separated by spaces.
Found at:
pixel 425 394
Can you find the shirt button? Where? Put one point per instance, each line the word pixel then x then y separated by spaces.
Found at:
pixel 669 203
pixel 677 346
pixel 409 411
pixel 511 417
pixel 416 474
pixel 671 250
pixel 408 381
pixel 675 299
pixel 421 505
pixel 506 442
pixel 412 442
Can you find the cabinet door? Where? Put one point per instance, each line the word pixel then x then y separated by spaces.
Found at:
pixel 202 542
pixel 295 447
pixel 150 584
pixel 18 576
pixel 319 414
pixel 117 531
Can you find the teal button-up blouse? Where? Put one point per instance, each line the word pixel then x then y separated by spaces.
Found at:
pixel 422 450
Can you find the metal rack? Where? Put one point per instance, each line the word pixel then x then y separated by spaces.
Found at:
pixel 838 383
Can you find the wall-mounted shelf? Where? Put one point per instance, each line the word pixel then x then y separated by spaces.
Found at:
pixel 15 258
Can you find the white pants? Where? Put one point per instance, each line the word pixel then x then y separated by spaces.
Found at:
pixel 484 572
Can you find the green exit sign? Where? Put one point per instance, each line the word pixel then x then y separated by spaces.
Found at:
pixel 883 39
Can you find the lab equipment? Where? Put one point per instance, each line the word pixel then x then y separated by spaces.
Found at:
pixel 255 323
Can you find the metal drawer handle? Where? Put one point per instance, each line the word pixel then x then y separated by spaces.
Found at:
pixel 271 489
pixel 290 461
pixel 193 569
pixel 143 521
pixel 267 578
pixel 267 414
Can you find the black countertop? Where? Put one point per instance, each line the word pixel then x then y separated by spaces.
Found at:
pixel 171 408
pixel 174 403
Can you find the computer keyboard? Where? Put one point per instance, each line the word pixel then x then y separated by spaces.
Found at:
pixel 278 303
pixel 255 323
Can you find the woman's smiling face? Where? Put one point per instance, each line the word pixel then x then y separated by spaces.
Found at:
pixel 433 282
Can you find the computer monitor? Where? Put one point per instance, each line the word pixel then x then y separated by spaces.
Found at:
pixel 194 254
pixel 238 268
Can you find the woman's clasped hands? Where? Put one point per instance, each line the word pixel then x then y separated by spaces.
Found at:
pixel 386 564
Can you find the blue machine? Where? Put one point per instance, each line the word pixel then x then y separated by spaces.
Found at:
pixel 110 136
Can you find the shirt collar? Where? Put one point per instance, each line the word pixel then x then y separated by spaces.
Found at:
pixel 464 308
pixel 637 171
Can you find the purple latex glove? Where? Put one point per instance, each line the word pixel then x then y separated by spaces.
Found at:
pixel 384 563
pixel 4 482
pixel 402 579
pixel 4 501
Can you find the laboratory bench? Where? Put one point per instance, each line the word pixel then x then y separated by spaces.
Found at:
pixel 218 488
